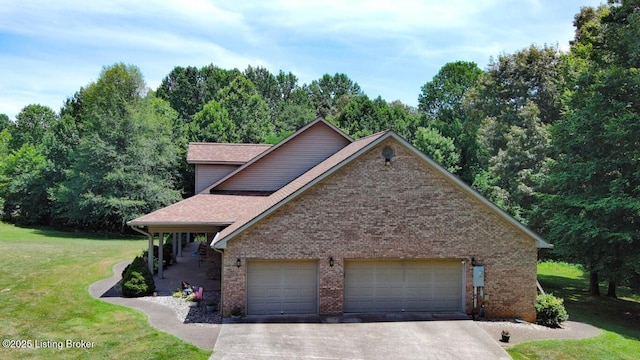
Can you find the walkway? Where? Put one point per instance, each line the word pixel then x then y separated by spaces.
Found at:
pixel 160 316
pixel 205 334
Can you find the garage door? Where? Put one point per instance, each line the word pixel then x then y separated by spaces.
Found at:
pixel 289 287
pixel 395 286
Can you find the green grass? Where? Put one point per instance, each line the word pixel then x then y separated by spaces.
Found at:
pixel 618 318
pixel 44 280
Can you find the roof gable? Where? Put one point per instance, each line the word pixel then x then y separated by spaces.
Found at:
pixel 277 166
pixel 296 187
pixel 337 161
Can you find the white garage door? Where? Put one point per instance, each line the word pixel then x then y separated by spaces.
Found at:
pixel 289 287
pixel 395 286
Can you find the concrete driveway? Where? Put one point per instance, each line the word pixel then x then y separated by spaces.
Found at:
pixel 460 339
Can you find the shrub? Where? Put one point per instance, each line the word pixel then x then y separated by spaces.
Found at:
pixel 550 310
pixel 137 280
pixel 236 311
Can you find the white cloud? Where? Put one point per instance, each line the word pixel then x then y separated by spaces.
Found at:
pixel 364 17
pixel 49 49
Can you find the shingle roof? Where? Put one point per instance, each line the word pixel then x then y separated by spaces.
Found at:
pixel 297 184
pixel 209 153
pixel 243 211
pixel 202 209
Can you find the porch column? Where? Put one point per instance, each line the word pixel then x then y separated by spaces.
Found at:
pixel 180 245
pixel 174 248
pixel 150 253
pixel 160 261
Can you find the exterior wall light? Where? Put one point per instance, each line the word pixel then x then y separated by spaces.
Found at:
pixel 388 154
pixel 238 263
pixel 331 262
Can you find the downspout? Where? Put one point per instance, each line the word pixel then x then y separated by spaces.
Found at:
pixel 150 249
pixel 221 268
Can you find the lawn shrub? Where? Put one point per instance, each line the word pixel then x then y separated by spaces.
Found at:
pixel 167 254
pixel 137 280
pixel 550 310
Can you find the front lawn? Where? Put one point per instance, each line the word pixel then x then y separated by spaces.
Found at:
pixel 44 277
pixel 618 318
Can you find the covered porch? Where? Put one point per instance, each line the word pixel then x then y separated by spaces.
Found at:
pixel 195 270
pixel 205 214
pixel 175 244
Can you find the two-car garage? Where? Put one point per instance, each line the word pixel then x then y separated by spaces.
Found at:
pixel 291 287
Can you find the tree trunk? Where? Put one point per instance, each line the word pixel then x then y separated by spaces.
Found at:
pixel 611 291
pixel 594 289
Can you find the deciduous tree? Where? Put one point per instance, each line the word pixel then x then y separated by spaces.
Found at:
pixel 590 205
pixel 31 124
pixel 330 94
pixel 440 148
pixel 124 161
pixel 442 105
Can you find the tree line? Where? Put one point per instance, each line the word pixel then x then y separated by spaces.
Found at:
pixel 552 137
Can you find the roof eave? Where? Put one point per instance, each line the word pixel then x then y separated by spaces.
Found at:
pixel 206 162
pixel 177 223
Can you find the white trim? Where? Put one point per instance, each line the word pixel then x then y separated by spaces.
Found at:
pixel 463 292
pixel 215 238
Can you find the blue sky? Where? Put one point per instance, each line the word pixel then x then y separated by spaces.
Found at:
pixel 49 49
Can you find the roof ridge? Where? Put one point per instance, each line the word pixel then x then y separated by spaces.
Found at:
pixel 226 144
pixel 372 135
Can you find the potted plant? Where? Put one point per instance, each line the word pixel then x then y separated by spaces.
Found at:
pixel 192 300
pixel 506 335
pixel 236 312
pixel 211 306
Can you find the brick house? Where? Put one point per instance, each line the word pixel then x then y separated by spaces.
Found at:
pixel 323 224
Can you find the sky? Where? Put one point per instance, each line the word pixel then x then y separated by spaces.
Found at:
pixel 50 49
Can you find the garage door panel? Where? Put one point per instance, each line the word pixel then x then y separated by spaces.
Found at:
pixel 402 285
pixel 281 287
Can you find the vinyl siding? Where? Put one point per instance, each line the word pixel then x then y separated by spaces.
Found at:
pixel 288 161
pixel 206 175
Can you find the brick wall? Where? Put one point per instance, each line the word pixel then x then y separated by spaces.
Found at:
pixel 407 210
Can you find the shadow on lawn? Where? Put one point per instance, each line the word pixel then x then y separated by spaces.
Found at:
pixel 617 315
pixel 82 235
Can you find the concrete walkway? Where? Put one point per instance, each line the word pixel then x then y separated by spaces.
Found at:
pixel 161 317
